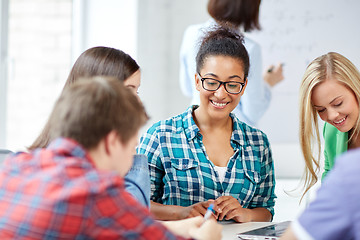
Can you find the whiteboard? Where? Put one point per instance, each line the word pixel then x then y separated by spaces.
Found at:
pixel 294 33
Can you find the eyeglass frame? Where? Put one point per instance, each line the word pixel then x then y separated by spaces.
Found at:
pixel 221 83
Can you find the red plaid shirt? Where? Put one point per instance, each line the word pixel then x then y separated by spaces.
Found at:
pixel 57 193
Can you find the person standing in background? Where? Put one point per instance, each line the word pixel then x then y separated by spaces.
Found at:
pixel 242 15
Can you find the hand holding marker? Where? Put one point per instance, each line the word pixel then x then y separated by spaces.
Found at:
pixel 272 68
pixel 208 213
pixel 274 75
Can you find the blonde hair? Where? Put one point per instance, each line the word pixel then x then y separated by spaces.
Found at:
pixel 329 67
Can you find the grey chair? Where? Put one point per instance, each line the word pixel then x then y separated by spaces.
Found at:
pixel 3 154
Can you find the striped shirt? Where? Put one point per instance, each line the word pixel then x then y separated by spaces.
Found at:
pixel 182 174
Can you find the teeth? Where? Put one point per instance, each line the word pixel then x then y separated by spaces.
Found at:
pixel 340 121
pixel 219 104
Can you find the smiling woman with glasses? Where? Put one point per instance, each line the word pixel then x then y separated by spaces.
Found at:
pixel 206 154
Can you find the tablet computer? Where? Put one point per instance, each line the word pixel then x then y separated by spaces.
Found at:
pixel 271 232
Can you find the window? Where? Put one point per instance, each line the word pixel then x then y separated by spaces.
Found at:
pixel 4 7
pixel 40 57
pixel 45 37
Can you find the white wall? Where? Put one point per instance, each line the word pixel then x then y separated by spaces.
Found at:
pixel 110 23
pixel 161 26
pixel 4 12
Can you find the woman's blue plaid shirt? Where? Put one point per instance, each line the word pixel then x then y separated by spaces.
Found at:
pixel 182 174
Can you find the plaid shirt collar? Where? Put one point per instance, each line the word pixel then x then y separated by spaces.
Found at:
pixel 192 130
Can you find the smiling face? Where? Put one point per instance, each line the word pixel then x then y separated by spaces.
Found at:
pixel 336 104
pixel 220 103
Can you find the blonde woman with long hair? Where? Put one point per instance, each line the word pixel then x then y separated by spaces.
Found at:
pixel 330 89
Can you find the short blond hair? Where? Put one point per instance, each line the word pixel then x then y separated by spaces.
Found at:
pixel 89 109
pixel 330 66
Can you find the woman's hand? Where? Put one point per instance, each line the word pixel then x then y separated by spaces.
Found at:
pixel 231 209
pixel 198 209
pixel 274 75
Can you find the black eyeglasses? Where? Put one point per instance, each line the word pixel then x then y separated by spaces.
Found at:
pixel 212 85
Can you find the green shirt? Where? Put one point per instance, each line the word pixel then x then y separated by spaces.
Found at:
pixel 336 142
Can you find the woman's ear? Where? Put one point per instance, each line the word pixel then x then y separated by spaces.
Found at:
pixel 197 82
pixel 243 90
